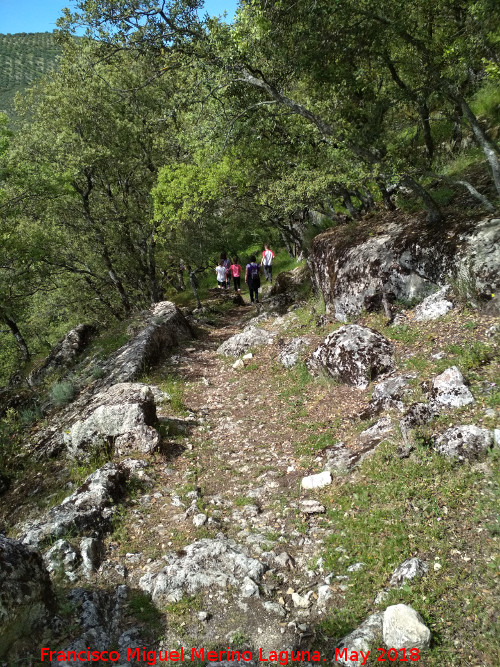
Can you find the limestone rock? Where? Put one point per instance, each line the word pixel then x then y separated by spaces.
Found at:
pixel 375 434
pixel 403 627
pixel 413 568
pixel 92 551
pixel 353 355
pixel 164 328
pixel 434 306
pixel 317 481
pixel 449 390
pixel 310 506
pixel 466 442
pixel 26 598
pixel 86 509
pixel 361 639
pixel 122 416
pixel 215 562
pixel 64 353
pixel 63 558
pixel 289 352
pixel 388 393
pixel 404 260
pixel 241 343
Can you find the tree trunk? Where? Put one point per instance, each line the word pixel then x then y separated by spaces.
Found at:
pixel 434 214
pixel 489 148
pixel 194 285
pixel 21 343
pixel 386 195
pixel 423 111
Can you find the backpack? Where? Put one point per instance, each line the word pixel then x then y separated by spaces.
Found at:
pixel 253 271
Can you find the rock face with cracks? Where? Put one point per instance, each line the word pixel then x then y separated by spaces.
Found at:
pixel 122 417
pixel 353 355
pixel 405 261
pixel 86 509
pixel 26 598
pixel 209 562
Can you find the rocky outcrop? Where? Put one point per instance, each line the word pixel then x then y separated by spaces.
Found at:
pixel 355 265
pixel 464 442
pixel 353 355
pixel 63 355
pixel 241 343
pixel 121 417
pixel 88 509
pixel 388 394
pixel 26 598
pixel 215 562
pixel 164 328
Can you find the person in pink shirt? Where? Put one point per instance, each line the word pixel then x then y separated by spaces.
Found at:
pixel 235 270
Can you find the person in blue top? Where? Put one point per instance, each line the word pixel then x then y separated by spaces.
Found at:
pixel 252 279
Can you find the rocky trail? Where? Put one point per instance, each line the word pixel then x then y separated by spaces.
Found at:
pixel 276 483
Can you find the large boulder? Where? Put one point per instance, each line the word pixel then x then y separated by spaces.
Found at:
pixel 122 417
pixel 466 442
pixel 354 265
pixel 353 355
pixel 88 509
pixel 248 339
pixel 26 598
pixel 215 562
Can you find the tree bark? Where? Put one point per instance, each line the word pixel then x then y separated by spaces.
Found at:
pixel 489 148
pixel 21 343
pixel 434 214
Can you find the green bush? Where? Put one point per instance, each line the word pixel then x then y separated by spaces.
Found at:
pixel 62 392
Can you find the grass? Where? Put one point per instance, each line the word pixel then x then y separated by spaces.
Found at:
pixel 427 506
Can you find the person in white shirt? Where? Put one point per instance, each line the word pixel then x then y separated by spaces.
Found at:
pixel 267 263
pixel 221 275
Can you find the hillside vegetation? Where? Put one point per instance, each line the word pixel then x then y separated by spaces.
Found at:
pixel 24 58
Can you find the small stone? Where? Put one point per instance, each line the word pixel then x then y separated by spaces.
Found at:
pixel 247 357
pixel 274 608
pixel 403 627
pixel 311 507
pixel 203 615
pixel 238 364
pixel 317 481
pixel 302 601
pixel 199 520
pixel 249 588
pixel 413 568
pixel 324 595
pixel 448 389
pixel 356 567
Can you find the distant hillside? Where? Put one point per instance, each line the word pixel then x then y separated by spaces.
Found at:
pixel 23 58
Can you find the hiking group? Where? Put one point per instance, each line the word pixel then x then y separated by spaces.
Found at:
pixel 228 269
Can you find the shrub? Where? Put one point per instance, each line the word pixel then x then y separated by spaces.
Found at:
pixel 62 392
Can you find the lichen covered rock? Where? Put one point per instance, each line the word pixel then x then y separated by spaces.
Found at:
pixel 353 355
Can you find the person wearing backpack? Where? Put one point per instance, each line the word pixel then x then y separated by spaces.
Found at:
pixel 267 262
pixel 252 279
pixel 226 263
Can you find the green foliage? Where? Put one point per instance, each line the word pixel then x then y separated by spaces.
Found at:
pixel 62 393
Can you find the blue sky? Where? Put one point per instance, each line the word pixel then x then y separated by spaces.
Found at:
pixel 41 15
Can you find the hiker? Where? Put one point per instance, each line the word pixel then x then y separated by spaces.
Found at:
pixel 267 262
pixel 252 278
pixel 227 264
pixel 235 269
pixel 220 270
